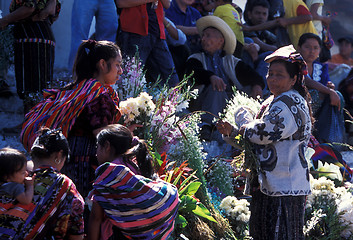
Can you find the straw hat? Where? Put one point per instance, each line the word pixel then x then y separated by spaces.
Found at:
pixel 230 40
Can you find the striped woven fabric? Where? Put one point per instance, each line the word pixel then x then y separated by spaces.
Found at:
pixel 139 207
pixel 61 108
pixel 26 221
pixel 36 40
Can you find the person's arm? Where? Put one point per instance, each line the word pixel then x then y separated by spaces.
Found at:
pixel 278 123
pixel 27 196
pixel 175 37
pixel 247 75
pixel 95 220
pixel 284 22
pixel 172 31
pixel 188 30
pixel 165 3
pixel 264 46
pixel 260 27
pixel 335 99
pixel 131 3
pixel 49 10
pixel 201 75
pixel 17 15
pixel 313 9
pixel 75 237
pixel 303 16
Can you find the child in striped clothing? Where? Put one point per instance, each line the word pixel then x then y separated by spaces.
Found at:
pixel 127 204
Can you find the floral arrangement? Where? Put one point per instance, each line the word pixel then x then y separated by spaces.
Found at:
pixel 187 185
pixel 238 213
pixel 238 111
pixel 138 110
pixel 220 175
pixel 132 82
pixel 238 100
pixel 329 211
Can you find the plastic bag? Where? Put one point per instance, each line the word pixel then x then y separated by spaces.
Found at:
pixel 329 125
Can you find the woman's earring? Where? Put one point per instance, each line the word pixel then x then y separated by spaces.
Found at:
pixel 57 161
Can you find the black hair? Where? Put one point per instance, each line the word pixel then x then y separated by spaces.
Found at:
pixel 11 161
pixel 48 142
pixel 256 3
pixel 303 38
pixel 249 6
pixel 89 53
pixel 124 144
pixel 294 69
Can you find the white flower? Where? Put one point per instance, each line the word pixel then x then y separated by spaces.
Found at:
pixel 181 106
pixel 330 170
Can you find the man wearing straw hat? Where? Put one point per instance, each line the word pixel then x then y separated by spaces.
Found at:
pixel 217 70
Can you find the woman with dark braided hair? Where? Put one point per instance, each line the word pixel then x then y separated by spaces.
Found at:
pixel 280 134
pixel 56 210
pixel 81 108
pixel 127 203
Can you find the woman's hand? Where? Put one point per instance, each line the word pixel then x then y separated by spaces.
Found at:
pixel 217 83
pixel 256 92
pixel 242 130
pixel 335 99
pixel 3 23
pixel 330 85
pixel 224 128
pixel 49 10
pixel 132 127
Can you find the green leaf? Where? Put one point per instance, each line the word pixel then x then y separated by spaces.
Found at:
pixel 180 220
pixel 170 176
pixel 187 180
pixel 202 211
pixel 187 204
pixel 178 178
pixel 190 189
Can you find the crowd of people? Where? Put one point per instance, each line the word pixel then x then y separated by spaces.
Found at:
pixel 279 54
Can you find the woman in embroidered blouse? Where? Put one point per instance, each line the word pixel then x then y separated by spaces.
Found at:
pixel 321 89
pixel 56 211
pixel 34 44
pixel 81 108
pixel 280 134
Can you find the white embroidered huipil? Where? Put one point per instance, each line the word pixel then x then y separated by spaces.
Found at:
pixel 281 135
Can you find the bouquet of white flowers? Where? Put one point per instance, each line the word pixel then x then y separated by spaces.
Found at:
pixel 238 213
pixel 138 110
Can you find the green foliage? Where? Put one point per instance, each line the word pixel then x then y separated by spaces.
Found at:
pixel 220 176
pixel 329 226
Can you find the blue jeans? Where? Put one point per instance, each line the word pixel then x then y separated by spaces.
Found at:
pixel 153 52
pixel 83 12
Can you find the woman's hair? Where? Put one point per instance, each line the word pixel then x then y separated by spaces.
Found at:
pixel 89 53
pixel 48 142
pixel 303 38
pixel 126 145
pixel 294 69
pixel 11 161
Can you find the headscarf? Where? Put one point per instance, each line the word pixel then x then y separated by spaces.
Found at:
pixel 289 54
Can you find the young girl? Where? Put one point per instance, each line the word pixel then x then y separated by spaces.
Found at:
pixel 81 108
pixel 137 207
pixel 326 102
pixel 14 177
